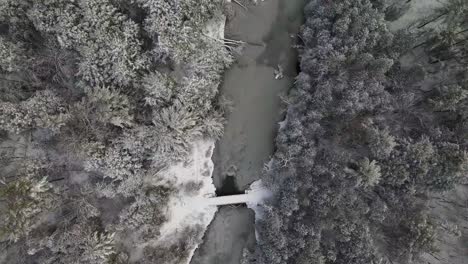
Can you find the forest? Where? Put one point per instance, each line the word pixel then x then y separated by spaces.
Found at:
pixel 376 126
pixel 96 98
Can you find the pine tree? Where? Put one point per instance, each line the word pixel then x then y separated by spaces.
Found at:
pixel 369 173
pixel 26 197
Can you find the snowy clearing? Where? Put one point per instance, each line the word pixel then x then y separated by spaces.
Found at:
pixel 188 176
pixel 198 208
pixel 418 9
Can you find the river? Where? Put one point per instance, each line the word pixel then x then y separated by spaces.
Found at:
pixel 270 30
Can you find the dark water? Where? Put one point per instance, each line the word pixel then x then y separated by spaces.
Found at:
pixel 228 187
pixel 248 141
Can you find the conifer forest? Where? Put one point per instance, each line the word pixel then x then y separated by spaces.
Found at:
pixel 234 131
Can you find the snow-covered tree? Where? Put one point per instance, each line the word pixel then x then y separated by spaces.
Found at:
pixel 12 57
pixel 146 214
pixel 369 172
pixel 118 99
pixel 82 242
pixel 108 106
pixel 106 40
pixel 43 110
pixel 160 89
pixel 381 142
pixel 23 200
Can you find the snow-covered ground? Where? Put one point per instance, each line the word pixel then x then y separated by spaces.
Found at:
pixel 195 171
pixel 418 9
pixel 190 206
pixel 184 210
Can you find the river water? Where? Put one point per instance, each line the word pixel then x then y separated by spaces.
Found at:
pixel 270 30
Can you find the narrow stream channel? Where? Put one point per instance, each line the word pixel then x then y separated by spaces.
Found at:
pixel 270 29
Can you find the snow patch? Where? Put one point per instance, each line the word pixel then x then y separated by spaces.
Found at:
pixel 215 27
pixel 418 9
pixel 185 208
pixel 259 194
pixel 189 208
pixel 282 124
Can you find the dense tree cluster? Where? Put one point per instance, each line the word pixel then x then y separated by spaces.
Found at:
pixel 96 97
pixel 377 121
